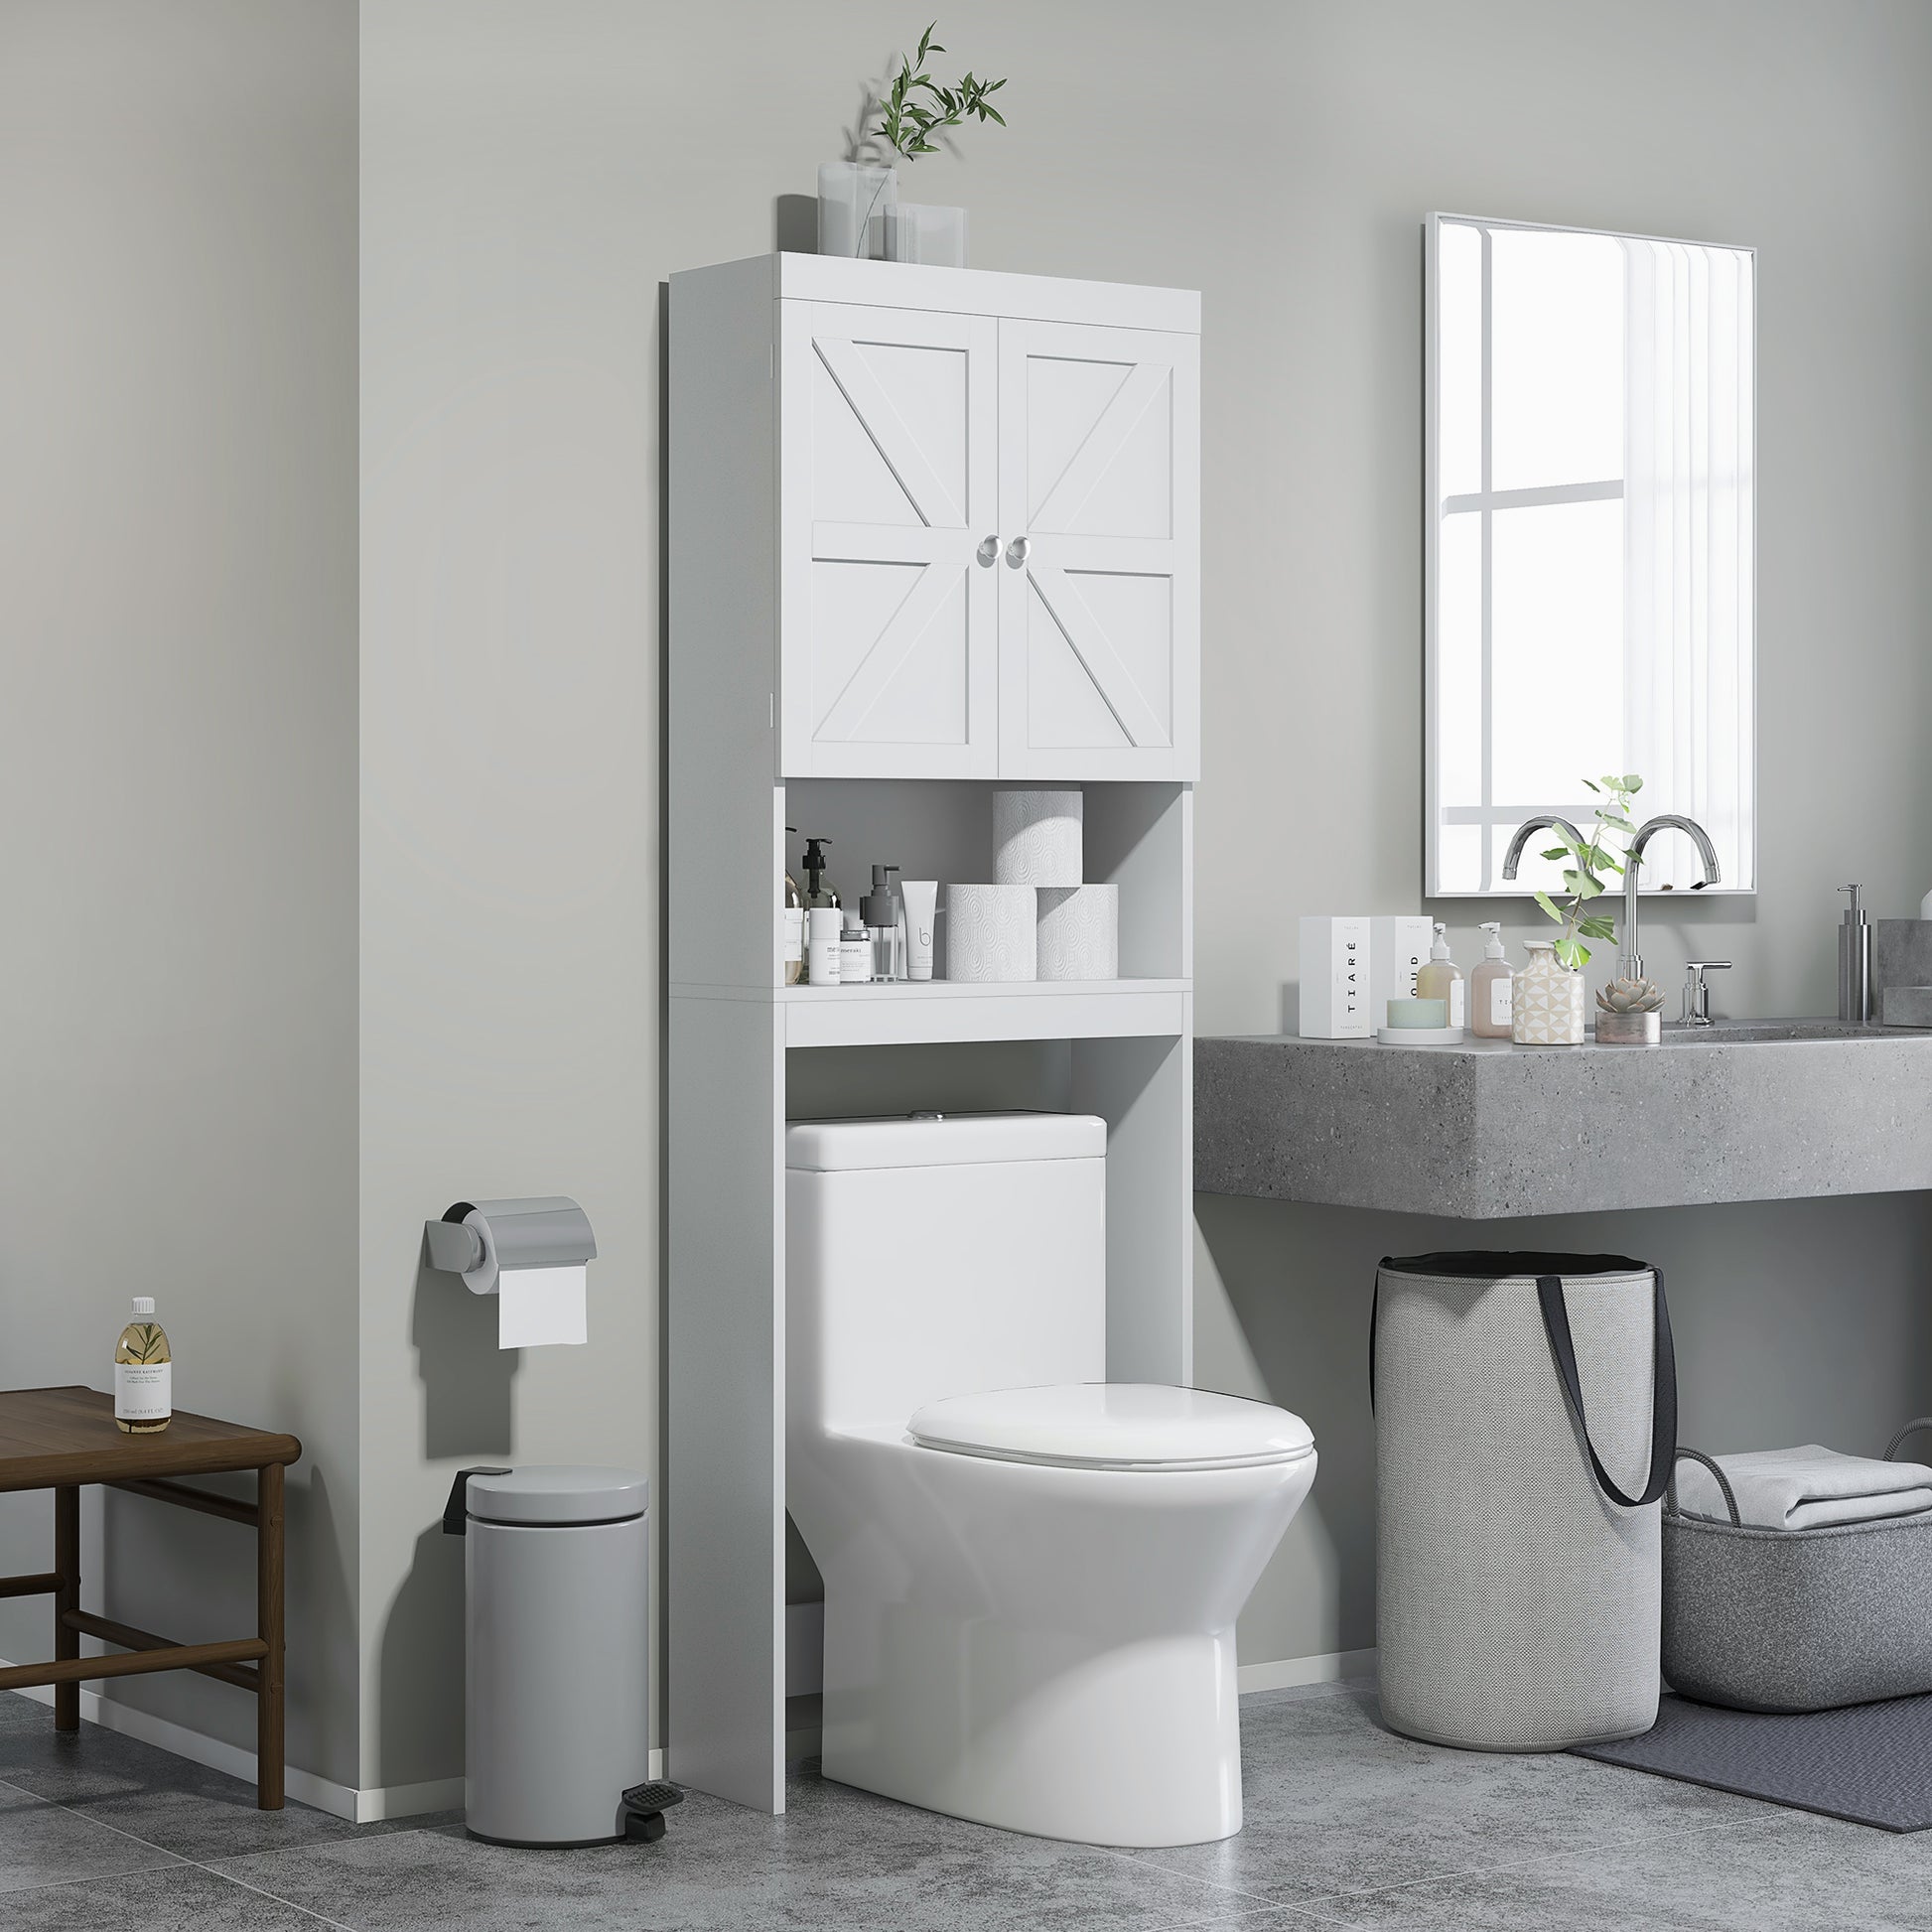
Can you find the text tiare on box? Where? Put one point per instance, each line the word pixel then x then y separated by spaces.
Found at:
pixel 1336 991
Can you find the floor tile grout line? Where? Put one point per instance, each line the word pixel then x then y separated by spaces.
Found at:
pixel 228 1877
pixel 1141 1863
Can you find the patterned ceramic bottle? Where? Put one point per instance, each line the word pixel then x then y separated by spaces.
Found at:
pixel 1547 1003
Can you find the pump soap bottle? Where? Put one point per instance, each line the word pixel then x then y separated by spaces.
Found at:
pixel 1441 978
pixel 144 1396
pixel 878 911
pixel 817 892
pixel 794 917
pixel 1492 989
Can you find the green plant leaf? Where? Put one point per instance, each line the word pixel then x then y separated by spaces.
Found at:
pixel 1571 954
pixel 1632 782
pixel 1550 907
pixel 1556 851
pixel 1598 928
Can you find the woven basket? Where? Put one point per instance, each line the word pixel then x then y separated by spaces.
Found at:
pixel 1797 1619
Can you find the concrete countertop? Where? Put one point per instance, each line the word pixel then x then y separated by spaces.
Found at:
pixel 1756 1110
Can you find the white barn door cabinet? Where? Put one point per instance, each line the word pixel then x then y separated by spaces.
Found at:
pixel 932 530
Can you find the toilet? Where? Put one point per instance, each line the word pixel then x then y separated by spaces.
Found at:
pixel 1031 1575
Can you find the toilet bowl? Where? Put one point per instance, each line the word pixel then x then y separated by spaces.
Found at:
pixel 1031 1575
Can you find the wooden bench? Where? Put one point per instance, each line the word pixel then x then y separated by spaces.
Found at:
pixel 60 1439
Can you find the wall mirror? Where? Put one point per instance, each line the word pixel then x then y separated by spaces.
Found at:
pixel 1589 503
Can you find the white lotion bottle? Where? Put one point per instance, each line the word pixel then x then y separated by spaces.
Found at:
pixel 1492 989
pixel 1442 979
pixel 824 934
pixel 920 898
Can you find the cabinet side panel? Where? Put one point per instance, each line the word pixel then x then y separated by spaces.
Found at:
pixel 723 645
pixel 724 1498
pixel 1143 1089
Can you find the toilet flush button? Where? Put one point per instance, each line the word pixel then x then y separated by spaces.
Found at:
pixel 922 1115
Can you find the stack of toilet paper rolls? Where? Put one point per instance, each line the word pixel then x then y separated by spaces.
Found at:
pixel 1040 919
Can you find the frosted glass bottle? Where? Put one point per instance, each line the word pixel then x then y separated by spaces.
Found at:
pixel 144 1396
pixel 1490 988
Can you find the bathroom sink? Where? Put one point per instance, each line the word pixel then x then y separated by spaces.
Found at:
pixel 1736 1032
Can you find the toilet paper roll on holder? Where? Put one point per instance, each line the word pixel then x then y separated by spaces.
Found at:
pixel 478 1239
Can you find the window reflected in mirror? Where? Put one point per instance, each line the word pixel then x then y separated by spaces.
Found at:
pixel 1590 504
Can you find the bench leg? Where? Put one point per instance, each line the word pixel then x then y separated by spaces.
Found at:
pixel 66 1596
pixel 268 1610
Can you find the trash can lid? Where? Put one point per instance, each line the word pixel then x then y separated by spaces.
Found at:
pixel 557 1494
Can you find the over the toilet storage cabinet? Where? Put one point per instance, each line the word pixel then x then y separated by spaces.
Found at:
pixel 930 530
pixel 989 540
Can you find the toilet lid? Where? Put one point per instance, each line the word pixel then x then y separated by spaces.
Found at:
pixel 1114 1426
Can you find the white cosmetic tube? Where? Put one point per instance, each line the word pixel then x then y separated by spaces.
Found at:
pixel 922 903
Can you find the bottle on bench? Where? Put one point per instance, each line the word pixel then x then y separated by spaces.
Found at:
pixel 143 1373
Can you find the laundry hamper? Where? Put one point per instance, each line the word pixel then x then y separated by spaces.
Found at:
pixel 1766 1619
pixel 1525 1430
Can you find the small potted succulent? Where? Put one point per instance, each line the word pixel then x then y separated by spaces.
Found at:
pixel 1629 1012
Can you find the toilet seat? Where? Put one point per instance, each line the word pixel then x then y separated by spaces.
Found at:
pixel 1114 1426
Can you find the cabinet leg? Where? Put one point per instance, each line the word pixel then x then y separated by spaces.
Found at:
pixel 268 1616
pixel 66 1596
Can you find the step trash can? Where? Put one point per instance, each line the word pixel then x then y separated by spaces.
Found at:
pixel 1525 1430
pixel 556 1674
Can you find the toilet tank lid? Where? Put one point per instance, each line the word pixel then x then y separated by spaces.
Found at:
pixel 1114 1426
pixel 941 1139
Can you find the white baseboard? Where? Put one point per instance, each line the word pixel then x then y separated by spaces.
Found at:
pixel 364 1806
pixel 1330 1668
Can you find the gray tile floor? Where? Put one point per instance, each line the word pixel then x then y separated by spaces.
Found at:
pixel 1346 1824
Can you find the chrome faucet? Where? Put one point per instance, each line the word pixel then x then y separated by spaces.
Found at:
pixel 1697 991
pixel 1629 961
pixel 1550 822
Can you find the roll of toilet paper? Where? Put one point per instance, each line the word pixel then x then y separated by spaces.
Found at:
pixel 535 1306
pixel 1037 838
pixel 1079 933
pixel 989 933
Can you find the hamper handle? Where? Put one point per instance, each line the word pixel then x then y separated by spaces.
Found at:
pixel 1724 1484
pixel 1911 1428
pixel 1663 1390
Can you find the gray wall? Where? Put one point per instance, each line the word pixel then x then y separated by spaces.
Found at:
pixel 178 785
pixel 511 173
pixel 178 554
pixel 530 175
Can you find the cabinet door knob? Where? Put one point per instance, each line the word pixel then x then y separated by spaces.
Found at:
pixel 989 549
pixel 1018 550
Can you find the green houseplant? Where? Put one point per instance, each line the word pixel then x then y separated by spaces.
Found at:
pixel 914 110
pixel 1549 992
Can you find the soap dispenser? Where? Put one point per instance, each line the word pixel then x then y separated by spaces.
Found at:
pixel 1441 978
pixel 795 916
pixel 1492 989
pixel 879 910
pixel 817 892
pixel 1855 961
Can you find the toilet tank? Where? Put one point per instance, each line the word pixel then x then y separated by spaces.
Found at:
pixel 929 1255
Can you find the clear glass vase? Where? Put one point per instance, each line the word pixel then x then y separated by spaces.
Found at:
pixel 855 200
pixel 920 232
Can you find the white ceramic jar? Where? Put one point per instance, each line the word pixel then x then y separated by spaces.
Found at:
pixel 1547 1003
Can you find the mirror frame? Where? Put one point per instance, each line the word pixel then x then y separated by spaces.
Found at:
pixel 1433 887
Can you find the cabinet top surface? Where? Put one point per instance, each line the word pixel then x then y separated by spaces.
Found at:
pixel 973 291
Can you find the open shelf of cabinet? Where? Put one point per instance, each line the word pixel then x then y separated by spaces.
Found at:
pixel 848 656
pixel 937 1011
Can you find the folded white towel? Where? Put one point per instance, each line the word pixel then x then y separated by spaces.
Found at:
pixel 1806 1488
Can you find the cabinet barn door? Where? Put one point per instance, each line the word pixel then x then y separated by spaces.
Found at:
pixel 1100 611
pixel 888 486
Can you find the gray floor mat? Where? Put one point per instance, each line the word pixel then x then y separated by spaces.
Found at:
pixel 1871 1764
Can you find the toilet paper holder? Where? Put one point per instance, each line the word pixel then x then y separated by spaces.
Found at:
pixel 476 1239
